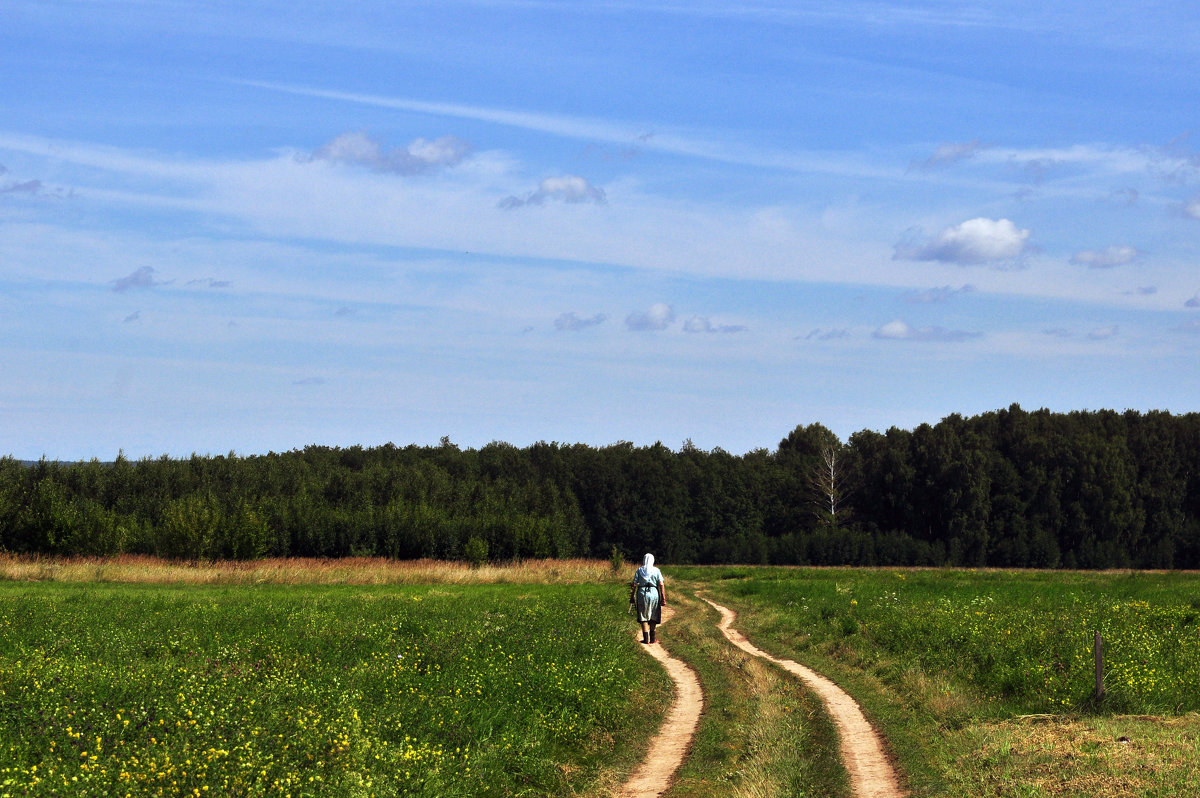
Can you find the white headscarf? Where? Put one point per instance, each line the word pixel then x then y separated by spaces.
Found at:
pixel 648 573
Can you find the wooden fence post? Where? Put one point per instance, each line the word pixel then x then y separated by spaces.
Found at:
pixel 1098 649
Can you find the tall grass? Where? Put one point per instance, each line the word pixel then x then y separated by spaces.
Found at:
pixel 304 571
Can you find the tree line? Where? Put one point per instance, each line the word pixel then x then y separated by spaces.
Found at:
pixel 1008 488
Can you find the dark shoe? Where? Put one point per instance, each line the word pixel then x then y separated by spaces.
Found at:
pixel 652 640
pixel 647 638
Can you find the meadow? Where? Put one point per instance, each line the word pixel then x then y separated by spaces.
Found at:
pixel 136 676
pixel 984 681
pixel 279 689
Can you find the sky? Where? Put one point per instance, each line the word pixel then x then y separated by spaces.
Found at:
pixel 254 226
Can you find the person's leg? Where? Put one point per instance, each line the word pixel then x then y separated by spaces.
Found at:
pixel 652 625
pixel 645 634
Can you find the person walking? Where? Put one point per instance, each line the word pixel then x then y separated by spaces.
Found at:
pixel 648 593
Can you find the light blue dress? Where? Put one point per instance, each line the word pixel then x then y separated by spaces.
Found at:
pixel 646 584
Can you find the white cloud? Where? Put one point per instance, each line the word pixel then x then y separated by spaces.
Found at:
pixel 1192 208
pixel 1103 333
pixel 659 316
pixel 1106 258
pixel 899 330
pixel 972 242
pixel 419 157
pixel 280 198
pixel 701 324
pixel 573 323
pixel 566 188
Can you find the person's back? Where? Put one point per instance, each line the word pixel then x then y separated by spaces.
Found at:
pixel 649 595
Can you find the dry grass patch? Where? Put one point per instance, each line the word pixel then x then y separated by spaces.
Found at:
pixel 1120 756
pixel 298 571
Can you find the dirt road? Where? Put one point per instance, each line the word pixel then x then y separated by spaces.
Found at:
pixel 871 774
pixel 670 745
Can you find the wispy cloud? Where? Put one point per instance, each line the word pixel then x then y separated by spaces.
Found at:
pixel 209 282
pixel 310 381
pixel 658 316
pixel 975 241
pixel 701 324
pixel 132 317
pixel 1194 302
pixel 565 188
pixel 1106 258
pixel 1035 169
pixel 26 187
pixel 1191 208
pixel 949 153
pixel 622 134
pixel 572 322
pixel 901 331
pixel 419 157
pixel 1175 162
pixel 937 295
pixel 1126 196
pixel 1058 332
pixel 819 334
pixel 141 278
pixel 1103 333
pixel 1191 326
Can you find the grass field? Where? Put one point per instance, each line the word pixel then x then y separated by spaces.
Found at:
pixel 446 690
pixel 983 682
pixel 368 677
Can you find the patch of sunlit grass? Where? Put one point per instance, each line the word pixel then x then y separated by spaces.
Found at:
pixel 1064 757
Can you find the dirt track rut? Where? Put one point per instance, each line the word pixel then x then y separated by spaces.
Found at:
pixel 668 748
pixel 871 773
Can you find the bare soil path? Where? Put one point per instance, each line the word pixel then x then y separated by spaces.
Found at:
pixel 871 774
pixel 668 748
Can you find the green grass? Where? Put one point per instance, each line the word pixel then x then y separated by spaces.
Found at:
pixel 981 682
pixel 946 661
pixel 282 690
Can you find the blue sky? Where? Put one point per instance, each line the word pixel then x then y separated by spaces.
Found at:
pixel 255 226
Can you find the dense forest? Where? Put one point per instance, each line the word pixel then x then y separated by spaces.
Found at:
pixel 1006 488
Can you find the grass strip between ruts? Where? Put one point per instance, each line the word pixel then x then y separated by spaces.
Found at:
pixel 762 733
